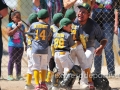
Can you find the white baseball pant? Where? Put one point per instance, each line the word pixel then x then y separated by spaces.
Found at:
pixel 39 61
pixel 78 54
pixel 29 57
pixel 49 56
pixel 90 57
pixel 64 63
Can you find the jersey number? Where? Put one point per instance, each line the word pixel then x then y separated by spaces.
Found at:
pixel 58 43
pixel 42 35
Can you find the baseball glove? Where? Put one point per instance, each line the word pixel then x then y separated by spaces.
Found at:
pixel 51 63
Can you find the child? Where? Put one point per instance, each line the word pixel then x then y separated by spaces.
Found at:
pixel 54 28
pixel 31 19
pixel 61 43
pixel 15 31
pixel 40 47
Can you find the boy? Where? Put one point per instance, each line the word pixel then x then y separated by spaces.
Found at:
pixel 31 19
pixel 62 41
pixel 54 28
pixel 40 47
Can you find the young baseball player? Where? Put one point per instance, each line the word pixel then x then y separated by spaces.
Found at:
pixel 54 28
pixel 31 19
pixel 61 43
pixel 40 47
pixel 79 50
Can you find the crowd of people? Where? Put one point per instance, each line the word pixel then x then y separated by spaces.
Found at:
pixel 65 37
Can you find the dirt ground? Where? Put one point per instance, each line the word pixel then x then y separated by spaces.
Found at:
pixel 19 85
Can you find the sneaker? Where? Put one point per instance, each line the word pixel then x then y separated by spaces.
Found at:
pixel 19 78
pixel 10 78
pixel 44 86
pixel 84 85
pixel 55 88
pixel 37 87
pixel 29 87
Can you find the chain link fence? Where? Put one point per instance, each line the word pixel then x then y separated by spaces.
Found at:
pixel 25 7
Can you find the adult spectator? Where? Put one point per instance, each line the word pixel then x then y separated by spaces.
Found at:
pixel 103 14
pixel 117 22
pixel 94 32
pixel 74 3
pixel 3 13
pixel 53 6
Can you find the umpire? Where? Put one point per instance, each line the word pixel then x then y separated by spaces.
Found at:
pixel 3 13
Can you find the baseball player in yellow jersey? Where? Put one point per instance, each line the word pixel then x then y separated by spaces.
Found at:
pixel 31 19
pixel 61 43
pixel 79 50
pixel 54 28
pixel 40 48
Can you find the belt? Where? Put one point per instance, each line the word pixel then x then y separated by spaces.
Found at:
pixel 62 53
pixel 29 47
pixel 101 6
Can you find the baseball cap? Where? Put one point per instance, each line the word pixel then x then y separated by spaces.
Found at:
pixel 57 17
pixel 64 22
pixel 70 13
pixel 86 6
pixel 43 13
pixel 32 18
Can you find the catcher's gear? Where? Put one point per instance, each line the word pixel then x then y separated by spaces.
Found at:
pixel 56 78
pixel 70 77
pixel 51 63
pixel 100 82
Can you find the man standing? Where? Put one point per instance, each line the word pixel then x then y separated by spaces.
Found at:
pixel 3 13
pixel 103 14
pixel 94 32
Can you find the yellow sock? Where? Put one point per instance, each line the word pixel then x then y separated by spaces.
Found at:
pixel 49 76
pixel 40 75
pixel 43 75
pixel 29 78
pixel 36 76
pixel 87 72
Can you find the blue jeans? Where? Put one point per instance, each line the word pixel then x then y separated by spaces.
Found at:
pixel 107 25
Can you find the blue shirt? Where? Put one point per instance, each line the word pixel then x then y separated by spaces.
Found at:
pixel 17 39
